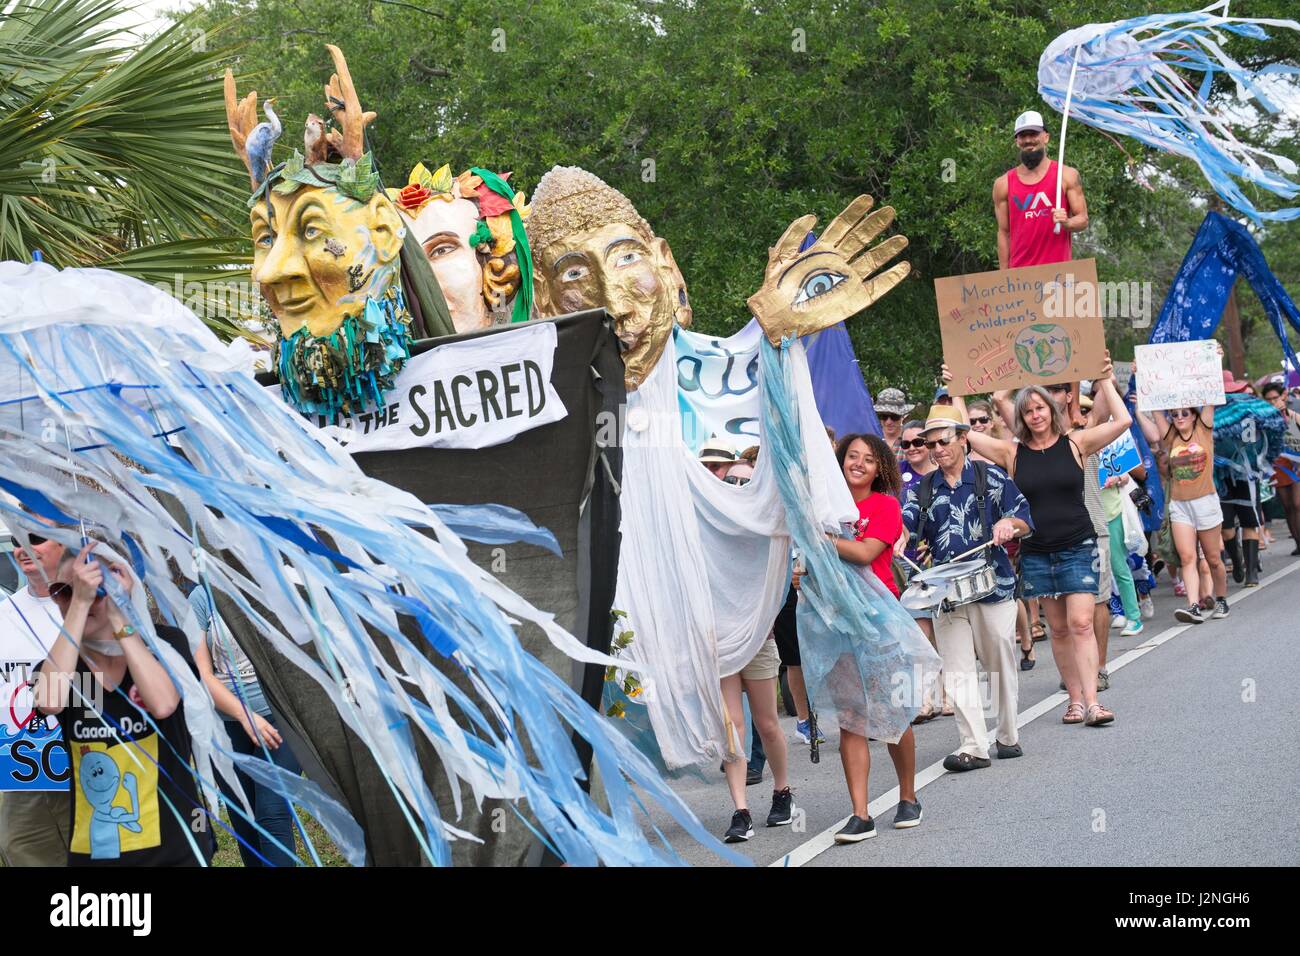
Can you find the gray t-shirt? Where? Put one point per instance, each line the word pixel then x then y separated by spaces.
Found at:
pixel 227 656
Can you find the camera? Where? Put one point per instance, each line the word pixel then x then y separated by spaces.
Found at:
pixel 1142 499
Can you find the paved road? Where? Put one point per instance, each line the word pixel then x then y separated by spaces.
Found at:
pixel 1198 769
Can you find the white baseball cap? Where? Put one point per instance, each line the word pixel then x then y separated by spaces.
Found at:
pixel 1030 119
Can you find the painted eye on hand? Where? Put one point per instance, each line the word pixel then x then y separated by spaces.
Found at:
pixel 817 284
pixel 573 273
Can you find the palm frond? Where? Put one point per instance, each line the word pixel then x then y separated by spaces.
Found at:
pixel 115 153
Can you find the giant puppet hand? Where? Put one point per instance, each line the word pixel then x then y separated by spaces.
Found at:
pixel 833 279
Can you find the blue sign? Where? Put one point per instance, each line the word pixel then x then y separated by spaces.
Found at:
pixel 1118 458
pixel 34 759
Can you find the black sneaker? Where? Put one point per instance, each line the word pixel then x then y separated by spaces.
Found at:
pixel 1220 608
pixel 908 815
pixel 782 806
pixel 742 827
pixel 960 763
pixel 1007 753
pixel 856 830
pixel 1189 615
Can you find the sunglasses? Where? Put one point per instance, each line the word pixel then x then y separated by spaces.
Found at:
pixel 982 420
pixel 1182 413
pixel 736 480
pixel 940 443
pixel 36 539
pixel 911 443
pixel 1058 389
pixel 886 417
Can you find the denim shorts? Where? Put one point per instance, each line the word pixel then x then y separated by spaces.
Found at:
pixel 1072 571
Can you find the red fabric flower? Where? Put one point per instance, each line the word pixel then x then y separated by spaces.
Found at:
pixel 413 196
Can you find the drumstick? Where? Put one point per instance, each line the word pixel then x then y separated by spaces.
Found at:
pixel 912 563
pixel 978 547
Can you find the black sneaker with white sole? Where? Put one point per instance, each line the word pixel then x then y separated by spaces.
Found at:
pixel 1189 615
pixel 1220 608
pixel 908 815
pixel 782 808
pixel 742 827
pixel 856 830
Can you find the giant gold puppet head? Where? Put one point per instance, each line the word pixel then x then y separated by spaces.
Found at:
pixel 592 249
pixel 326 246
pixel 471 230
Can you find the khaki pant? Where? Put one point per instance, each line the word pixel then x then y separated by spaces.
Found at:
pixel 34 828
pixel 989 632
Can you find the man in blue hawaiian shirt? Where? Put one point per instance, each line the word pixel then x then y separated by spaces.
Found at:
pixel 950 524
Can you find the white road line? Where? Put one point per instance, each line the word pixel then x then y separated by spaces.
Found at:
pixel 823 841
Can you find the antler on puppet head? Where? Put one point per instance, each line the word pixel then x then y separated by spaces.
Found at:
pixel 241 117
pixel 341 100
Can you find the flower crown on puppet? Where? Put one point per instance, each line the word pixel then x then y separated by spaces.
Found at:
pixel 500 239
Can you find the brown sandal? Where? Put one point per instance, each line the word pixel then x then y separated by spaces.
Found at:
pixel 1098 715
pixel 1037 631
pixel 1074 713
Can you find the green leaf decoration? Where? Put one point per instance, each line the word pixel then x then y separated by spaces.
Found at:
pixel 293 165
pixel 440 182
pixel 358 180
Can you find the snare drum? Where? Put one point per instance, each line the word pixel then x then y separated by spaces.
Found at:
pixel 972 585
pixel 957 583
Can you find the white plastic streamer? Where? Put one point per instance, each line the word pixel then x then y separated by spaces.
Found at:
pixel 1133 79
pixel 153 405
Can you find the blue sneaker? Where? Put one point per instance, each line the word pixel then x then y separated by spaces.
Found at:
pixel 803 733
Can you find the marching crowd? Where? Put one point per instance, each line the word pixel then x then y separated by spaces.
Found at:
pixel 1069 558
pixel 1011 482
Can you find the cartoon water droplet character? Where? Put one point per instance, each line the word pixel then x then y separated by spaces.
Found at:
pixel 100 778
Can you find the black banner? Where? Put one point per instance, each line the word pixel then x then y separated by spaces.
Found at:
pixel 560 478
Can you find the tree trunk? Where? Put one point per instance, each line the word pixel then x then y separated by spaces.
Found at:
pixel 1232 325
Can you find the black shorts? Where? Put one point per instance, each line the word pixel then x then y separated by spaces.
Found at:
pixel 1244 514
pixel 786 631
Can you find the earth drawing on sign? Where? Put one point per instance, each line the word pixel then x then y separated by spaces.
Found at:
pixel 1044 349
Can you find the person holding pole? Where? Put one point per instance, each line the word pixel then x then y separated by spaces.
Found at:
pixel 1032 229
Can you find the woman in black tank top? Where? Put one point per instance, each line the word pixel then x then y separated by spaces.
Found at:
pixel 1059 563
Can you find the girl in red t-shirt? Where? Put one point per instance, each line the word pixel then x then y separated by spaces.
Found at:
pixel 871 471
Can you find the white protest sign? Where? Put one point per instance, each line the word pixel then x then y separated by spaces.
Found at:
pixel 1178 375
pixel 1123 375
pixel 472 394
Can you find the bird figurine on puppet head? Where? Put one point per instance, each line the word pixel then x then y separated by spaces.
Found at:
pixel 261 139
pixel 319 144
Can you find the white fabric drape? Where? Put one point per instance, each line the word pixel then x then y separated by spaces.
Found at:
pixel 705 566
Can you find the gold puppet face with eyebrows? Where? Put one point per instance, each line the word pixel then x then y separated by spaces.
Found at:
pixel 632 275
pixel 318 255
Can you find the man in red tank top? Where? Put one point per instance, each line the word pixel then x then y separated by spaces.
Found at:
pixel 1024 202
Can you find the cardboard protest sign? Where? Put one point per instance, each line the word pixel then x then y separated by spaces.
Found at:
pixel 1119 457
pixel 1178 375
pixel 1031 326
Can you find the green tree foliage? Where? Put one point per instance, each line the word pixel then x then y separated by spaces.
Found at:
pixel 112 150
pixel 725 120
